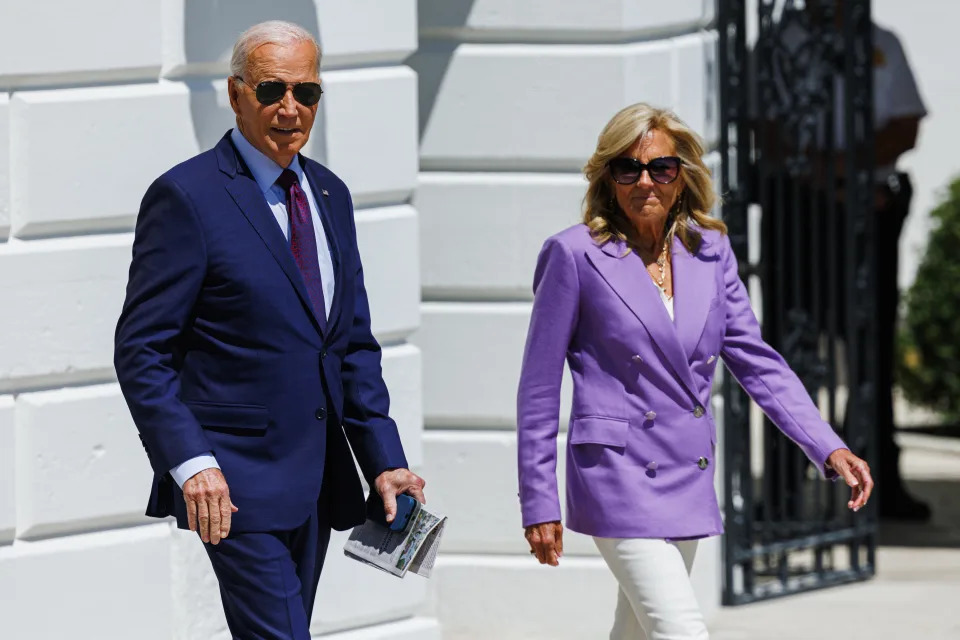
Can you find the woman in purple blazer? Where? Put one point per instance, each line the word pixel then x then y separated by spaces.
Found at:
pixel 641 300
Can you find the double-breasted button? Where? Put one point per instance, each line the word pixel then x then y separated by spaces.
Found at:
pixel 698 412
pixel 650 415
pixel 636 358
pixel 711 359
pixel 702 463
pixel 652 466
pixel 321 414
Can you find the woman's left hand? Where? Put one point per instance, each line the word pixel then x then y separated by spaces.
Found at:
pixel 856 472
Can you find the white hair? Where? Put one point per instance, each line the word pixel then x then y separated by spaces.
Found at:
pixel 276 32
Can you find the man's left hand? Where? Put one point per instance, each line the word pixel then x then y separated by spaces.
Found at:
pixel 856 473
pixel 390 484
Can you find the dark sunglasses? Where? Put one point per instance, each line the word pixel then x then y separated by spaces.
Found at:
pixel 628 170
pixel 271 91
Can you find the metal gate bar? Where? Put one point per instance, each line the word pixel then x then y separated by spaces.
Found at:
pixel 788 531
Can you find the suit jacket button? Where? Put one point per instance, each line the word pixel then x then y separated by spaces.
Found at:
pixel 698 412
pixel 637 358
pixel 321 413
pixel 652 466
pixel 323 354
pixel 711 359
pixel 702 463
pixel 650 415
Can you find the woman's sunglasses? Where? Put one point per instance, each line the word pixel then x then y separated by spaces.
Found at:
pixel 271 91
pixel 628 170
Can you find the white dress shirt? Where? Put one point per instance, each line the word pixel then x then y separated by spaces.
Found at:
pixel 265 171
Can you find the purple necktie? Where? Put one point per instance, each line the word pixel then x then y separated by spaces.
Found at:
pixel 303 242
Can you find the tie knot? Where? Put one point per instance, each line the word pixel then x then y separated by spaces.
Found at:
pixel 287 179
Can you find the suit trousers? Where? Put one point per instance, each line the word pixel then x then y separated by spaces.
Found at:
pixel 656 599
pixel 268 581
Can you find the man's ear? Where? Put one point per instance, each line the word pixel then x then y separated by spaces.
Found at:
pixel 233 91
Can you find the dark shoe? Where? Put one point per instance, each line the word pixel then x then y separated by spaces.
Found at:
pixel 900 505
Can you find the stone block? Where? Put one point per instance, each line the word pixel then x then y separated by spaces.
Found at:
pixel 79 464
pixel 603 20
pixel 369 123
pixel 697 98
pixel 340 604
pixel 7 494
pixel 485 521
pixel 388 241
pixel 130 135
pixel 409 629
pixel 549 106
pixel 481 233
pixel 4 166
pixel 515 598
pixel 199 34
pixel 104 585
pixel 68 295
pixel 108 40
pixel 472 354
pixel 403 375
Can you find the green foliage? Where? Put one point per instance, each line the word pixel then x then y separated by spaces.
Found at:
pixel 929 370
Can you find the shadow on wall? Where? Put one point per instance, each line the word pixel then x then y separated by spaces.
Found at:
pixel 210 28
pixel 433 57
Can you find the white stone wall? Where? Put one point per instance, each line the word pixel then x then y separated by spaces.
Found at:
pixel 512 98
pixel 100 97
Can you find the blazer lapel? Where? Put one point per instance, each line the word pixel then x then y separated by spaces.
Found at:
pixel 694 288
pixel 248 197
pixel 332 231
pixel 627 277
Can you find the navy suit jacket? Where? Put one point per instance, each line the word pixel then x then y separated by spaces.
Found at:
pixel 218 349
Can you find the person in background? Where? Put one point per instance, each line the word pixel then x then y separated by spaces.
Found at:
pixel 642 300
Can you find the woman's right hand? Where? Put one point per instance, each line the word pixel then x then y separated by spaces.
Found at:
pixel 546 541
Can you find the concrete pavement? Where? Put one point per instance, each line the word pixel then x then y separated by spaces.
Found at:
pixel 916 593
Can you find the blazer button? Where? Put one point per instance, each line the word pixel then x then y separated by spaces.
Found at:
pixel 711 359
pixel 321 414
pixel 702 463
pixel 637 358
pixel 652 466
pixel 323 354
pixel 650 415
pixel 698 412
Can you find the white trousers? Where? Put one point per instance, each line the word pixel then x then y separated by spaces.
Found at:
pixel 656 600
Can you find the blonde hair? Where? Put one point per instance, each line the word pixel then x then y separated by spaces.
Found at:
pixel 692 213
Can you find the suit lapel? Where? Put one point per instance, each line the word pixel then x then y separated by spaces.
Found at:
pixel 625 274
pixel 694 287
pixel 248 197
pixel 332 231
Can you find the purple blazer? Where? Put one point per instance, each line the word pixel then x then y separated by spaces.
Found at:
pixel 642 442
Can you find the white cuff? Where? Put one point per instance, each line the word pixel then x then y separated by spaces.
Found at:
pixel 183 472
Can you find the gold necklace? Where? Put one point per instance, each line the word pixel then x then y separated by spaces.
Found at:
pixel 662 263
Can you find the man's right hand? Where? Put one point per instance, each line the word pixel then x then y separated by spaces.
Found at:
pixel 546 542
pixel 209 508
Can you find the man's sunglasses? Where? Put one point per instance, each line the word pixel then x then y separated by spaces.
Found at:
pixel 272 91
pixel 628 170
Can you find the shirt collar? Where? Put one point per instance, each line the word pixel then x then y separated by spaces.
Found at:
pixel 265 171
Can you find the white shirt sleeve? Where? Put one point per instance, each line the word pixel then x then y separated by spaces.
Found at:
pixel 183 472
pixel 895 91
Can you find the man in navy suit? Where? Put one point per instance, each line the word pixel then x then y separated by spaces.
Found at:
pixel 244 348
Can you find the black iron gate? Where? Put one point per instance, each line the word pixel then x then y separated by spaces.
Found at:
pixel 797 157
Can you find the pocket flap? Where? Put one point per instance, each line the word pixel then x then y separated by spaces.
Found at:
pixel 599 430
pixel 230 416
